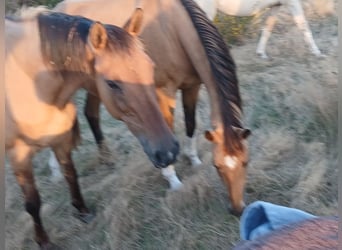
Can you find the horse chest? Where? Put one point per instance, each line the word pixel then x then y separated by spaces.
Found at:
pixel 56 123
pixel 29 114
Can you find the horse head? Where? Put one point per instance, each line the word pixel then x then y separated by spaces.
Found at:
pixel 231 164
pixel 125 84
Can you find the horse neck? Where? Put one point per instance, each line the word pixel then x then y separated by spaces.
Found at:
pixel 23 53
pixel 197 53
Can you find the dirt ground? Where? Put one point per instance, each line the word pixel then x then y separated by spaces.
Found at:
pixel 290 104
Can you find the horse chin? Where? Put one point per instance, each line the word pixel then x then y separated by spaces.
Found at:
pixel 237 211
pixel 148 151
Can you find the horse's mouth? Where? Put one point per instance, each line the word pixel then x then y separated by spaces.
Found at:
pixel 158 165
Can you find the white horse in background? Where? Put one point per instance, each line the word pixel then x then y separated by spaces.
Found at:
pixel 252 7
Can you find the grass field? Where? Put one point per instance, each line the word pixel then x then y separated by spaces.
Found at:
pixel 290 104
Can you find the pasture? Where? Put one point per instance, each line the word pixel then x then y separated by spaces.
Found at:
pixel 290 105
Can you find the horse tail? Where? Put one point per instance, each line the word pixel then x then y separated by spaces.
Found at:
pixel 224 72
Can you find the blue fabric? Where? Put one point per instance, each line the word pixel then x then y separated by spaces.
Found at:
pixel 260 218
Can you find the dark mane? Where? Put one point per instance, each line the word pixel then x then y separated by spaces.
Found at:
pixel 224 71
pixel 64 37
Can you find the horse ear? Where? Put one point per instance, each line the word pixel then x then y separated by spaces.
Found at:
pixel 134 24
pixel 243 133
pixel 209 135
pixel 97 37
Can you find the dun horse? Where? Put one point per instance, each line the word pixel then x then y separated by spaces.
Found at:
pixel 252 7
pixel 49 56
pixel 188 50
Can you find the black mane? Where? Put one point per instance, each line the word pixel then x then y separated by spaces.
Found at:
pixel 224 71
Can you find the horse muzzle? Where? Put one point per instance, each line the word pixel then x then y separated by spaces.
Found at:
pixel 237 211
pixel 162 156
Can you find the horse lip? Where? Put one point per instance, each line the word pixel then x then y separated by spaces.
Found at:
pixel 156 165
pixel 159 165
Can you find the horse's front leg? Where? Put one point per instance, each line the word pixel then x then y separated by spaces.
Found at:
pixel 189 100
pixel 92 113
pixel 266 33
pixel 21 162
pixel 167 103
pixel 54 166
pixel 63 155
pixel 298 16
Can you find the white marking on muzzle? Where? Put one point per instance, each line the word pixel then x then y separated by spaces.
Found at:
pixel 230 161
pixel 170 175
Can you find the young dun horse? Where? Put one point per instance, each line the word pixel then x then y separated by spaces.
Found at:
pixel 49 56
pixel 252 7
pixel 188 50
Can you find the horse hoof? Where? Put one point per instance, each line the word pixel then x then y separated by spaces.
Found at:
pixel 175 186
pixel 106 160
pixel 263 56
pixel 195 162
pixel 49 246
pixel 85 217
pixel 105 156
pixel 321 55
pixel 56 178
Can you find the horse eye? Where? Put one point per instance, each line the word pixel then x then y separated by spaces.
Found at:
pixel 113 85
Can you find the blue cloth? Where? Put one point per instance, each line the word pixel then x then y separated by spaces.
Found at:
pixel 260 218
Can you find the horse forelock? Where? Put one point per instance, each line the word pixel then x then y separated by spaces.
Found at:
pixel 63 39
pixel 224 71
pixel 120 41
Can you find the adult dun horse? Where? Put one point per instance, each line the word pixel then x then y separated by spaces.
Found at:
pixel 187 50
pixel 252 7
pixel 49 56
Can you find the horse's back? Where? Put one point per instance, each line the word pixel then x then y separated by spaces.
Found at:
pixel 111 12
pixel 160 31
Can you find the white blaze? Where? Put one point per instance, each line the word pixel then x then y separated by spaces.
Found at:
pixel 170 175
pixel 230 161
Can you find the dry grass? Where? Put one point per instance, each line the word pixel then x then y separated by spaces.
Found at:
pixel 290 103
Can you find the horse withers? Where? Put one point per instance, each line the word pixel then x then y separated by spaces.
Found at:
pixel 187 50
pixel 49 56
